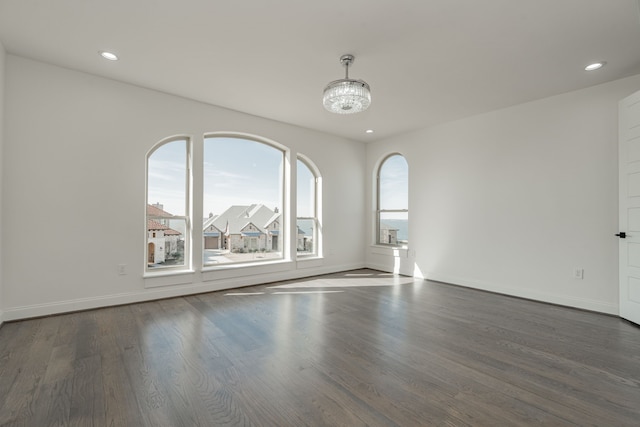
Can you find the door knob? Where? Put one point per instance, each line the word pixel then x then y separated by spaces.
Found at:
pixel 622 235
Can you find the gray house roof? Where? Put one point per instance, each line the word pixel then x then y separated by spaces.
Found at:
pixel 236 218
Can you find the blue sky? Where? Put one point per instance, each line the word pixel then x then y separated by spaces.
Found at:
pixel 241 172
pixel 306 191
pixel 236 172
pixel 394 183
pixel 167 177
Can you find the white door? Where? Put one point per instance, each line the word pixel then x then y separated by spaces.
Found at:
pixel 629 187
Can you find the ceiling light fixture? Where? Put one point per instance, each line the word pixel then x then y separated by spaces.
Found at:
pixel 369 131
pixel 594 66
pixel 346 96
pixel 108 55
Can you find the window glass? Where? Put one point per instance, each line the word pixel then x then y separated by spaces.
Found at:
pixel 307 215
pixel 393 201
pixel 394 183
pixel 242 201
pixel 167 206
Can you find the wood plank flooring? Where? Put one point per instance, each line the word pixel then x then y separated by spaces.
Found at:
pixel 360 348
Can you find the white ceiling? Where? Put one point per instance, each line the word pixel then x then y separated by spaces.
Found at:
pixel 427 61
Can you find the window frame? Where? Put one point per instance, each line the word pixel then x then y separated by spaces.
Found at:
pixel 284 197
pixel 188 262
pixel 317 229
pixel 380 211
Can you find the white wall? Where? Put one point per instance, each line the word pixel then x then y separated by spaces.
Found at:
pixel 510 201
pixel 74 175
pixel 2 73
pixel 514 200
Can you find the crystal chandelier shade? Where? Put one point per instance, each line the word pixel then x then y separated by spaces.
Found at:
pixel 347 96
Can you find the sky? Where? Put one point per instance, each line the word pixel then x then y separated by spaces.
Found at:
pixel 167 177
pixel 236 172
pixel 244 172
pixel 394 183
pixel 306 191
pixel 241 172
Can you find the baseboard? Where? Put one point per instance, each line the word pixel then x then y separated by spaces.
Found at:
pixel 564 300
pixel 390 269
pixel 379 267
pixel 59 307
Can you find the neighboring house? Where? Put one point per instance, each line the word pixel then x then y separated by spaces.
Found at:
pixel 388 234
pixel 162 240
pixel 305 240
pixel 244 229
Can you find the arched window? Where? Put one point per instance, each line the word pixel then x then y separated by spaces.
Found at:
pixel 307 221
pixel 392 211
pixel 243 194
pixel 167 204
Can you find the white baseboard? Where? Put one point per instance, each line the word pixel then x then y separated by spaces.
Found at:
pixel 379 267
pixel 58 307
pixel 389 268
pixel 569 301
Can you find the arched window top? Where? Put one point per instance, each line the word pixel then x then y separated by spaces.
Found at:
pixel 241 170
pixel 306 184
pixel 309 164
pixel 246 137
pixel 393 179
pixel 167 175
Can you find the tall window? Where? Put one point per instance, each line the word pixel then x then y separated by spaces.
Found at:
pixel 392 212
pixel 242 200
pixel 307 221
pixel 168 205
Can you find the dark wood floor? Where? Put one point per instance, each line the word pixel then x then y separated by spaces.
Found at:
pixel 349 349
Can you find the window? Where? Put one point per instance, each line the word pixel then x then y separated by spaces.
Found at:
pixel 167 228
pixel 243 194
pixel 245 204
pixel 392 211
pixel 307 221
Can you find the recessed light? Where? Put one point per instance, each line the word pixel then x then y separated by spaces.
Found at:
pixel 369 131
pixel 594 66
pixel 108 55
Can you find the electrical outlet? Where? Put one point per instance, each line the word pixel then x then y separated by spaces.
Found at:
pixel 578 273
pixel 122 269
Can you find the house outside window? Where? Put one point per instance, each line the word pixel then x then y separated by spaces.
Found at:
pixel 243 194
pixel 167 206
pixel 307 220
pixel 392 210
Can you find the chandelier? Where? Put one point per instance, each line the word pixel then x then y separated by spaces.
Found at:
pixel 346 96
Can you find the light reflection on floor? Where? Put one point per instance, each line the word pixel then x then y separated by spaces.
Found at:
pixel 305 292
pixel 328 283
pixel 231 294
pixel 320 284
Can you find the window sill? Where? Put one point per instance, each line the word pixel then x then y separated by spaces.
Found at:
pixel 310 261
pixel 168 278
pixel 390 250
pixel 227 271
